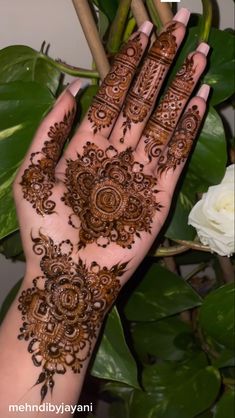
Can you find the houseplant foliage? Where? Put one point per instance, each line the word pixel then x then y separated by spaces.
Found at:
pixel 176 356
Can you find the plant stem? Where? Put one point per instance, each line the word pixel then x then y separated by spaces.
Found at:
pixel 129 29
pixel 206 21
pixel 168 252
pixel 193 245
pixel 154 14
pixel 163 11
pixel 227 269
pixel 139 12
pixel 118 26
pixel 92 36
pixel 228 381
pixel 197 269
pixel 70 69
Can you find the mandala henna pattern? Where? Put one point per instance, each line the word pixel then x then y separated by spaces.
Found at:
pixel 182 141
pixel 111 195
pixel 64 308
pixel 163 121
pixel 107 103
pixel 142 95
pixel 38 179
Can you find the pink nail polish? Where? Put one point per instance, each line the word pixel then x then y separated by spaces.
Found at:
pixel 146 27
pixel 182 16
pixel 204 91
pixel 203 48
pixel 74 87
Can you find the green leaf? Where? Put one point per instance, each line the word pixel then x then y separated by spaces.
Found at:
pixel 225 408
pixel 160 294
pixel 11 246
pixel 22 63
pixel 217 316
pixel 221 71
pixel 206 167
pixel 109 8
pixel 9 299
pixel 182 390
pixel 169 339
pixel 86 98
pixel 225 359
pixel 22 106
pixel 113 360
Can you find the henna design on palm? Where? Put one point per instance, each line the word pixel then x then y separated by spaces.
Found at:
pixel 111 195
pixel 64 308
pixel 38 179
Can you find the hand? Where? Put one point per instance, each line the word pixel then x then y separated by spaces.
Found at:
pixel 89 216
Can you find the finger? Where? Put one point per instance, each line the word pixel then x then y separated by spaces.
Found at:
pixel 36 174
pixel 142 95
pixel 175 155
pixel 108 102
pixel 164 119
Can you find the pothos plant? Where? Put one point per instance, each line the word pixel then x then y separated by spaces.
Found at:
pixel 174 356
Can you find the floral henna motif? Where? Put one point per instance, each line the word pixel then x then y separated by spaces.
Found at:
pixel 38 179
pixel 108 101
pixel 182 141
pixel 111 196
pixel 64 308
pixel 163 121
pixel 142 95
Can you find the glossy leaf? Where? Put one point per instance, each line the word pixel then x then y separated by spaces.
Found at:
pixel 9 299
pixel 217 316
pixel 226 359
pixel 113 360
pixel 225 408
pixel 22 106
pixel 168 339
pixel 22 63
pixel 109 8
pixel 160 294
pixel 11 246
pixel 182 390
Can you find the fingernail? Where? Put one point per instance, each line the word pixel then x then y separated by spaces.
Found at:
pixel 204 91
pixel 146 28
pixel 203 48
pixel 182 16
pixel 73 88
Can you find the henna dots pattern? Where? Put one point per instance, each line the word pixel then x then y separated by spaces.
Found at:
pixel 111 195
pixel 64 308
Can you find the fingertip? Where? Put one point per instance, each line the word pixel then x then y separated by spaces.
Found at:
pixel 71 90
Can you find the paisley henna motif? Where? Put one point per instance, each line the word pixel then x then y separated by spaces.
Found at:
pixel 142 95
pixel 63 310
pixel 111 196
pixel 163 121
pixel 38 179
pixel 182 141
pixel 108 101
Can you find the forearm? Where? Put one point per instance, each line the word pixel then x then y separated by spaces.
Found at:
pixel 48 336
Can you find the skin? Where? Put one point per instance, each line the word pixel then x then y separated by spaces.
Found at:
pixel 49 224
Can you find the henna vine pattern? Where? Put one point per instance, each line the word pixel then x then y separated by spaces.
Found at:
pixel 107 103
pixel 142 95
pixel 63 310
pixel 38 179
pixel 163 121
pixel 182 141
pixel 111 195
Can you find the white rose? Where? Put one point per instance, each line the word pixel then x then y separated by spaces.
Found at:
pixel 213 215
